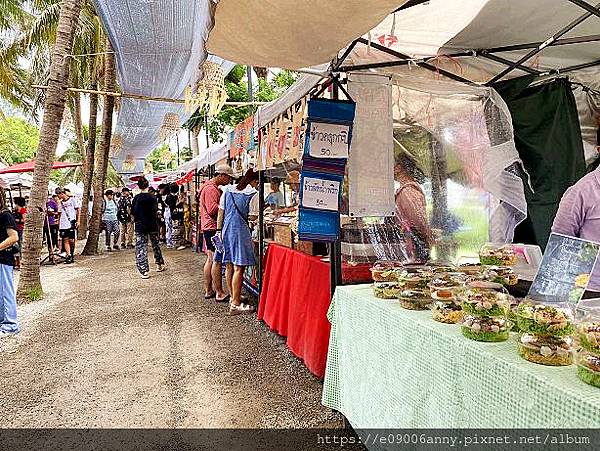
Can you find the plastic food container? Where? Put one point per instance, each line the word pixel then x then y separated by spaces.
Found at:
pixel 489 329
pixel 540 319
pixel 415 280
pixel 485 303
pixel 471 269
pixel 446 312
pixel 589 337
pixel 415 299
pixel 385 271
pixel 588 368
pixel 497 255
pixel 386 290
pixel 547 350
pixel 502 275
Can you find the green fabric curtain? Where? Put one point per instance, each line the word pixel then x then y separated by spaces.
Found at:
pixel 548 139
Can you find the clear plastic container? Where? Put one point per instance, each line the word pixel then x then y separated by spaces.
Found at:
pixel 547 350
pixel 540 319
pixel 419 280
pixel 485 303
pixel 501 274
pixel 387 290
pixel 385 271
pixel 415 298
pixel 482 328
pixel 447 312
pixel 589 336
pixel 495 254
pixel 588 368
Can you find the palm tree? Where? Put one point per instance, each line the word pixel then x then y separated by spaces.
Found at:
pixel 101 157
pixel 29 284
pixel 88 166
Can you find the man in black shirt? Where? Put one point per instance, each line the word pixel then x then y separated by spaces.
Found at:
pixel 144 211
pixel 8 301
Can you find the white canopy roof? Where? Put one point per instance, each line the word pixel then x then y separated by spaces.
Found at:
pixel 470 38
pixel 212 155
pixel 291 33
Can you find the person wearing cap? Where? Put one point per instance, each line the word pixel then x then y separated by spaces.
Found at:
pixel 68 223
pixel 210 196
pixel 124 217
pixel 293 179
pixel 110 219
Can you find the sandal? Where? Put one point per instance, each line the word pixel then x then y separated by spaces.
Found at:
pixel 240 309
pixel 225 299
pixel 210 296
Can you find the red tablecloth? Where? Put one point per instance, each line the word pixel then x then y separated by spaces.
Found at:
pixel 294 302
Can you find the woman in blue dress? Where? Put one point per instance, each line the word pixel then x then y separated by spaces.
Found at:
pixel 238 206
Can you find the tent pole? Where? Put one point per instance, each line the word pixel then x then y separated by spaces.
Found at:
pixel 261 229
pixel 533 45
pixel 345 55
pixel 425 65
pixel 578 67
pixel 501 60
pixel 545 44
pixel 335 247
pixel 585 5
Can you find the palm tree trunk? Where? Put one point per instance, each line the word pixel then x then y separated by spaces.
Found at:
pixel 29 284
pixel 194 141
pixel 88 167
pixel 101 157
pixel 76 114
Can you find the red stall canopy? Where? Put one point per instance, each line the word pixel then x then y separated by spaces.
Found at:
pixel 28 166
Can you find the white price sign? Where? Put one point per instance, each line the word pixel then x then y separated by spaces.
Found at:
pixel 329 140
pixel 320 194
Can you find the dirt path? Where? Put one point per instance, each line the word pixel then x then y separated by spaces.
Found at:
pixel 108 349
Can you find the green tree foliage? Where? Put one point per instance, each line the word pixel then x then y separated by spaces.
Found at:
pixel 18 140
pixel 75 175
pixel 164 159
pixel 237 91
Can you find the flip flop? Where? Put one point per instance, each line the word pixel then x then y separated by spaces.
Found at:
pixel 210 296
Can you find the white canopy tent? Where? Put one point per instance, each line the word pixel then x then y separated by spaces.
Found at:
pixel 212 155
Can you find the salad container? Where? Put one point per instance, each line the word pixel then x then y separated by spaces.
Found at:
pixel 386 290
pixel 415 298
pixel 485 328
pixel 497 255
pixel 547 350
pixel 385 271
pixel 448 312
pixel 540 319
pixel 588 368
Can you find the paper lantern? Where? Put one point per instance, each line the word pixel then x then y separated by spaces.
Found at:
pixel 210 92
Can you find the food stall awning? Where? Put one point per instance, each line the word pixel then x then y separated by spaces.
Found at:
pixel 212 155
pixel 480 39
pixel 28 166
pixel 290 33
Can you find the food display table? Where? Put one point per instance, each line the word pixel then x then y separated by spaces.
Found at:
pixel 389 367
pixel 294 302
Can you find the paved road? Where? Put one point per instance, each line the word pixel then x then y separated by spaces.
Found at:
pixel 108 349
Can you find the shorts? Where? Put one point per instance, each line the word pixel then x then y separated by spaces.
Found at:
pixel 67 234
pixel 208 234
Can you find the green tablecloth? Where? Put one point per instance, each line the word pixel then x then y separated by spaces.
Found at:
pixel 388 367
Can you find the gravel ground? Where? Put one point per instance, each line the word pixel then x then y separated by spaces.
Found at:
pixel 108 349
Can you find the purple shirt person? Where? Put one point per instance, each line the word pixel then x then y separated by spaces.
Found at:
pixel 52 208
pixel 579 215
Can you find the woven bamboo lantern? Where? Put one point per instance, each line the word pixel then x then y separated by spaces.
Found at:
pixel 129 163
pixel 169 126
pixel 210 90
pixel 116 145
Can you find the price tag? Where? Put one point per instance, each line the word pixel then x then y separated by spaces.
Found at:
pixel 320 194
pixel 329 140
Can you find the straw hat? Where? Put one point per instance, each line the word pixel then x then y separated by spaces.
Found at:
pixel 224 169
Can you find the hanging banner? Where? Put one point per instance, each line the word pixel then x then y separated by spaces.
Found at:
pixel 371 160
pixel 297 114
pixel 242 137
pixel 327 140
pixel 271 141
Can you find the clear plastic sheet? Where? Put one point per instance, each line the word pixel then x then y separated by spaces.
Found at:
pixel 457 177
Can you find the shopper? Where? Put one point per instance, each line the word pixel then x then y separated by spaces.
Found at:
pixel 209 212
pixel 237 207
pixel 144 211
pixel 110 219
pixel 19 213
pixel 9 239
pixel 162 230
pixel 170 203
pixel 68 223
pixel 124 217
pixel 51 226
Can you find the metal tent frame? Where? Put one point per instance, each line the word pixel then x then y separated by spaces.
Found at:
pixel 492 54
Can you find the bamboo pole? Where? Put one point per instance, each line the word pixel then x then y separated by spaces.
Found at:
pixel 142 97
